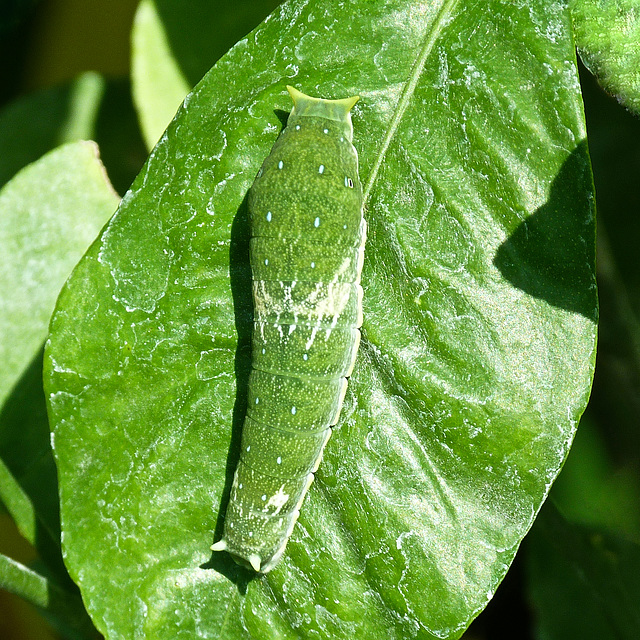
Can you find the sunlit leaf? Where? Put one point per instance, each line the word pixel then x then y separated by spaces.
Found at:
pixel 478 339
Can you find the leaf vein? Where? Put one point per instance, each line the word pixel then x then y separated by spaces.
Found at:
pixel 438 25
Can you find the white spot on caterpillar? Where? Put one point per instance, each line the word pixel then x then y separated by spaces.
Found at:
pixel 297 127
pixel 325 130
pixel 278 500
pixel 280 164
pixel 249 448
pixel 231 525
pixel 269 216
pixel 266 262
pixel 341 139
pixel 292 328
pixel 344 226
pixel 313 265
pixel 258 399
pixel 251 534
pixel 264 497
pixel 316 222
pixel 321 169
pixel 293 411
pixel 264 351
pixel 305 356
pixel 279 460
pixel 240 486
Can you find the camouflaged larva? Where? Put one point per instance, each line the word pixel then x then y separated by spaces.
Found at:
pixel 306 251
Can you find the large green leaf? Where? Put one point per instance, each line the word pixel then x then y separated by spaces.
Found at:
pixel 478 340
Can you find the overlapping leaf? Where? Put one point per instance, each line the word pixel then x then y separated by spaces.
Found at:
pixel 49 213
pixel 607 35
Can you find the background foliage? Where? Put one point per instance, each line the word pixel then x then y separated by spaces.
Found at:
pixel 582 551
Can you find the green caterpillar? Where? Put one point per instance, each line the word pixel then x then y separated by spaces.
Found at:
pixel 306 252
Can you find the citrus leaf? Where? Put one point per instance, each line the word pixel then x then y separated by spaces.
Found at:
pixel 478 340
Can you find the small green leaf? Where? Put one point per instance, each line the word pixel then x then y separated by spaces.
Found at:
pixel 478 338
pixel 19 503
pixel 49 213
pixel 37 123
pixel 173 46
pixel 159 87
pixel 607 35
pixel 583 583
pixel 88 108
pixel 63 609
pixel 592 490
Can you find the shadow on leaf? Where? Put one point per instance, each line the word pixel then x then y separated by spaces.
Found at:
pixel 240 276
pixel 551 254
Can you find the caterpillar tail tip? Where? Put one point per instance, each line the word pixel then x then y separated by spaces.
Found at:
pixel 221 545
pixel 254 561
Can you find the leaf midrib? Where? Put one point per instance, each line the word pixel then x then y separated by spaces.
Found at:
pixel 441 20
